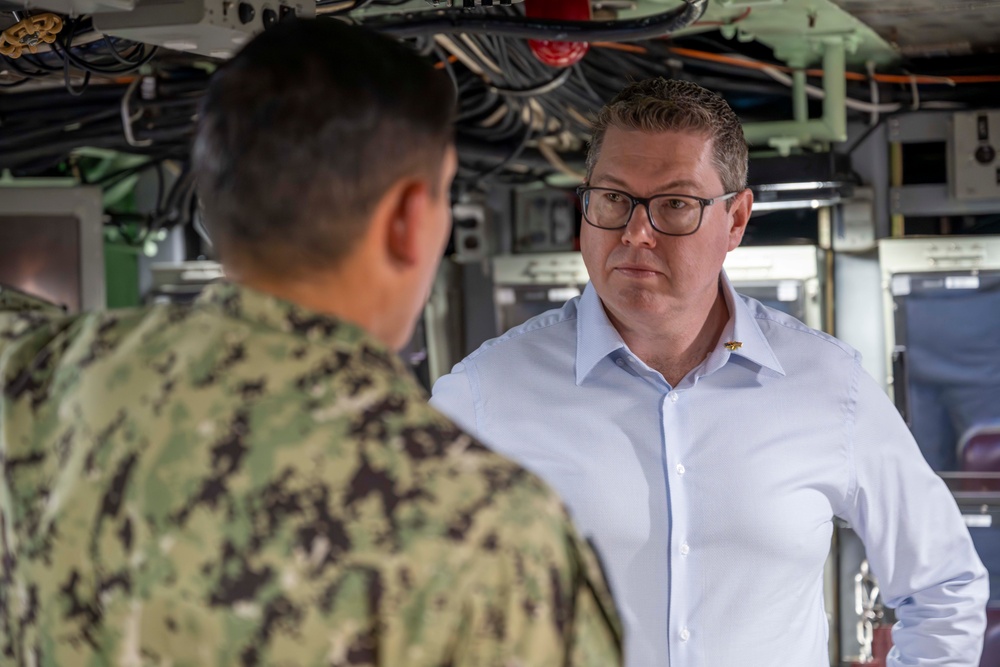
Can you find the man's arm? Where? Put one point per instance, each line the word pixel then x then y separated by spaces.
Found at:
pixel 916 541
pixel 538 595
pixel 559 604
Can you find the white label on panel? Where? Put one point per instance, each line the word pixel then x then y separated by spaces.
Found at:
pixel 961 282
pixel 505 296
pixel 978 520
pixel 900 285
pixel 560 294
pixel 788 290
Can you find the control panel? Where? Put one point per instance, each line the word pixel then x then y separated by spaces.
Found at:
pixel 975 164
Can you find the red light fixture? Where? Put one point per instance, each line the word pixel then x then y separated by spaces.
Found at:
pixel 554 52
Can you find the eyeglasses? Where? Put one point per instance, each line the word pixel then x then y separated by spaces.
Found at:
pixel 674 215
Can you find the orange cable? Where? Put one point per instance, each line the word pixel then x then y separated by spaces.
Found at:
pixel 617 46
pixel 440 64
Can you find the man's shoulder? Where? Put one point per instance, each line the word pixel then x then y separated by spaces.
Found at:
pixel 554 328
pixel 14 301
pixel 787 333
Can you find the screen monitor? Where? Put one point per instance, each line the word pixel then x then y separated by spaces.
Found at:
pixel 52 244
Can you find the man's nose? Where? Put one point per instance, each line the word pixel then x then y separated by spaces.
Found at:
pixel 639 230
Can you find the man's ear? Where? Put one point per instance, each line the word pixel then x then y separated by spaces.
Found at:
pixel 739 215
pixel 407 211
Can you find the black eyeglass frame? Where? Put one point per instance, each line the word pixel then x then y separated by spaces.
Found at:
pixel 645 201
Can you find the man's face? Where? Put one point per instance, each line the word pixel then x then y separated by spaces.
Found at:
pixel 638 272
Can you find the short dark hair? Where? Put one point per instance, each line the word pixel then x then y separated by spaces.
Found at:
pixel 303 132
pixel 658 105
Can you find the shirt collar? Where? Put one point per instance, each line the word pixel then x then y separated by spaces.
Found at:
pixel 743 328
pixel 596 337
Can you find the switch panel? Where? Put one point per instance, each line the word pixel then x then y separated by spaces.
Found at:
pixel 974 147
pixel 215 28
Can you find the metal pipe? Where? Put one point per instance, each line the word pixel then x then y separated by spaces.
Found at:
pixel 835 85
pixel 800 99
pixel 450 22
pixel 832 126
pixel 897 221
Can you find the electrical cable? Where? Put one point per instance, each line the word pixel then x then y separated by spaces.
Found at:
pixel 528 133
pixel 547 87
pixel 443 58
pixel 450 22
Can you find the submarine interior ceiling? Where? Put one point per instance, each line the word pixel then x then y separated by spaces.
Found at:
pixel 80 77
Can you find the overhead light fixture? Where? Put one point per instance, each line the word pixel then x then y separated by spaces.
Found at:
pixel 798 203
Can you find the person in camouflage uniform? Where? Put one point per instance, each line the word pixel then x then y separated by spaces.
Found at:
pixel 256 478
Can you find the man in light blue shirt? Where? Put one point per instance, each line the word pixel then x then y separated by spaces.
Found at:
pixel 704 441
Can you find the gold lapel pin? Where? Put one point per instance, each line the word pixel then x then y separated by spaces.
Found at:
pixel 733 345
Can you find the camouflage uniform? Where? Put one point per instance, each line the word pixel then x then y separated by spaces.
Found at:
pixel 240 481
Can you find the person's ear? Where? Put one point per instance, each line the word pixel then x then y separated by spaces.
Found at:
pixel 739 216
pixel 407 222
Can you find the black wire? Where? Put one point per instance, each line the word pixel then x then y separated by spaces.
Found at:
pixel 450 22
pixel 542 89
pixel 490 101
pixel 582 76
pixel 129 63
pixel 867 133
pixel 34 135
pixel 69 86
pixel 529 131
pixel 14 65
pixel 64 44
pixel 33 59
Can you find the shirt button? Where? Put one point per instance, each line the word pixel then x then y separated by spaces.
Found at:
pixel 680 469
pixel 673 396
pixel 620 362
pixel 685 550
pixel 685 635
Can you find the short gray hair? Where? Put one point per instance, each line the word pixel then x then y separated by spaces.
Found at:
pixel 659 105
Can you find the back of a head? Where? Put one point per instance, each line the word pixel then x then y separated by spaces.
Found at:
pixel 302 133
pixel 660 105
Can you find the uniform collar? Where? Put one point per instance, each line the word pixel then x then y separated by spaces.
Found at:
pixel 259 308
pixel 597 338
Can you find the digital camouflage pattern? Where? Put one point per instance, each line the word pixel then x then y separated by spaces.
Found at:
pixel 243 482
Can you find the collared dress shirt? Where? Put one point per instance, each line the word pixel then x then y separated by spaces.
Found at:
pixel 712 502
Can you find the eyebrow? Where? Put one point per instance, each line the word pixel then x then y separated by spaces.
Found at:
pixel 681 183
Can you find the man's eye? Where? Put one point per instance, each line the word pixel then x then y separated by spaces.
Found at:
pixel 676 203
pixel 613 197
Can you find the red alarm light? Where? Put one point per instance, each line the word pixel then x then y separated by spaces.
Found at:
pixel 553 52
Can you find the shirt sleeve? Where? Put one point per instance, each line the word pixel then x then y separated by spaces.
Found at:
pixel 916 541
pixel 453 397
pixel 546 601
